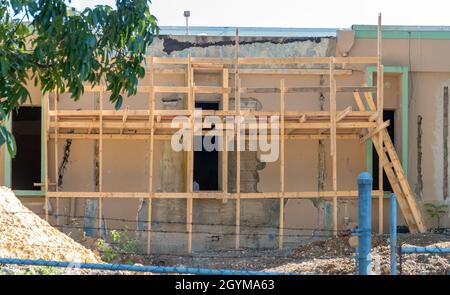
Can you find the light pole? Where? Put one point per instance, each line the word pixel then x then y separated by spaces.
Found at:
pixel 187 14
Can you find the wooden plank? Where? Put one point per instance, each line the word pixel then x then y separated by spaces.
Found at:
pixel 299 72
pixel 151 106
pixel 209 195
pixel 333 148
pixel 190 164
pixel 46 138
pixel 225 107
pixel 307 89
pixel 409 196
pixel 237 105
pixel 170 89
pixel 342 114
pixel 210 89
pixel 100 167
pixel 161 137
pixel 380 107
pixel 374 131
pixel 55 102
pixel 370 102
pixel 358 101
pixel 282 109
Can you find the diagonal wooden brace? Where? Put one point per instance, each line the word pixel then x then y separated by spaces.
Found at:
pixel 374 131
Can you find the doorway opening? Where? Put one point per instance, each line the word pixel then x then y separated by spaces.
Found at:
pixel 387 115
pixel 206 163
pixel 26 166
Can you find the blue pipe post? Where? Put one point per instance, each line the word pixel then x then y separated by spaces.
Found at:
pixel 365 226
pixel 393 233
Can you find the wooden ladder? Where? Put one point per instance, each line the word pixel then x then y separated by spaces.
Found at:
pixel 399 182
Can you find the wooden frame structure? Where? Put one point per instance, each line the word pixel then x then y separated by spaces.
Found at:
pixel 154 124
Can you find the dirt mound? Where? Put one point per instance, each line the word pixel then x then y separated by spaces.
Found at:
pixel 25 235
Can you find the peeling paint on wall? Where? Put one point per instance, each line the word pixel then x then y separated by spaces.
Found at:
pixel 64 162
pixel 171 44
pixel 224 46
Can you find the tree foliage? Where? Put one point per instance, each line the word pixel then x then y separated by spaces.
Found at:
pixel 44 41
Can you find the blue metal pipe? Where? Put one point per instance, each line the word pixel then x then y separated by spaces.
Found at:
pixel 137 268
pixel 393 234
pixel 424 250
pixel 365 226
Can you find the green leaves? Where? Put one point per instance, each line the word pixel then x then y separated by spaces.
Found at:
pixel 64 50
pixel 8 138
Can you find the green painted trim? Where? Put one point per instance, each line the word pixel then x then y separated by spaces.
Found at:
pixel 26 193
pixel 364 34
pixel 7 167
pixel 405 118
pixel 43 139
pixel 402 32
pixel 8 160
pixel 369 149
pixel 404 71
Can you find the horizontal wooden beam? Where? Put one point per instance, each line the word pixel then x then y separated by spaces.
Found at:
pixel 169 137
pixel 207 195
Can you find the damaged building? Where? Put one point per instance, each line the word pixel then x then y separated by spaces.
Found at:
pixel 84 164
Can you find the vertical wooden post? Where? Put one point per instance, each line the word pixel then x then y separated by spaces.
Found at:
pixel 56 154
pixel 333 143
pixel 237 106
pixel 380 107
pixel 46 137
pixel 282 109
pixel 100 165
pixel 190 160
pixel 151 107
pixel 225 99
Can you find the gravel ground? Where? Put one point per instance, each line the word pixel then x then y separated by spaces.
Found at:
pixel 25 235
pixel 330 256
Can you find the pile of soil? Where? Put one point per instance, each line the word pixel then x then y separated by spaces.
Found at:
pixel 25 235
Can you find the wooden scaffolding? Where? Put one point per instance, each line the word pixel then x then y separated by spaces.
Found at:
pixel 154 124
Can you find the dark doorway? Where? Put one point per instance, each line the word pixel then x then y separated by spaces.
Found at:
pixel 26 166
pixel 206 163
pixel 387 115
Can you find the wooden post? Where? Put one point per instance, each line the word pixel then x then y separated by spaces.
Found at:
pixel 225 98
pixel 282 109
pixel 190 160
pixel 333 143
pixel 380 107
pixel 56 154
pixel 100 165
pixel 46 138
pixel 151 107
pixel 237 106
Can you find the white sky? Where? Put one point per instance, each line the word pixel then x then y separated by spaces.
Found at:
pixel 294 13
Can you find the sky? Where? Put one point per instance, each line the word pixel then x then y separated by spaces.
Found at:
pixel 294 13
